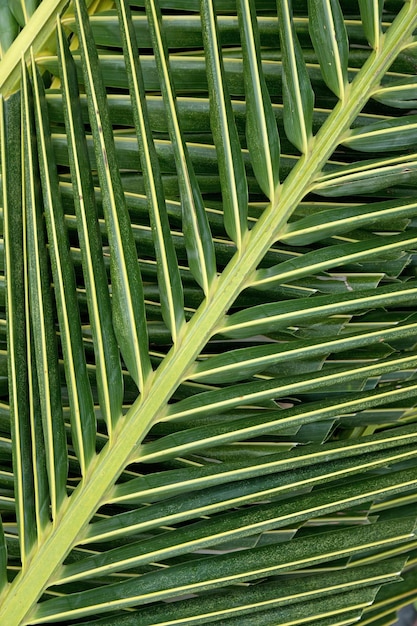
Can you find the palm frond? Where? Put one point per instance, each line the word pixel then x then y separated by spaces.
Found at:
pixel 207 332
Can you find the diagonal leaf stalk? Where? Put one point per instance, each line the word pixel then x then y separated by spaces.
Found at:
pixel 78 510
pixel 33 37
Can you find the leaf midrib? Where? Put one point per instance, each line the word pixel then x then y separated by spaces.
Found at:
pixel 77 511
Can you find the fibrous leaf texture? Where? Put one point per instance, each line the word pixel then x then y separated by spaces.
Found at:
pixel 208 366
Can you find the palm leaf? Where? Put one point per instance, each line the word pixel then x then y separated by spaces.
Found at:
pixel 127 297
pixel 225 137
pixel 16 331
pixel 207 341
pixel 260 120
pixel 197 235
pixel 46 353
pixel 298 96
pixel 107 359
